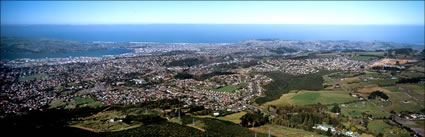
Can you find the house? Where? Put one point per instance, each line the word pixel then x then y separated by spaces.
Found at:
pixel 333 130
pixel 324 127
pixel 337 86
pixel 165 79
pixel 139 81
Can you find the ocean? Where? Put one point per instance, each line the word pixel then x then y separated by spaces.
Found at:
pixel 217 33
pixel 92 53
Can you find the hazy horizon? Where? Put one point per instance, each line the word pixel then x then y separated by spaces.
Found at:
pixel 218 33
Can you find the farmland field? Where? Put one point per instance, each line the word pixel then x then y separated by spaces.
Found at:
pixel 216 127
pixel 412 74
pixel 420 123
pixel 235 117
pixel 364 58
pixel 57 103
pixel 231 88
pixel 356 110
pixel 100 122
pixel 78 102
pixel 305 97
pixel 283 83
pixel 416 90
pixel 378 126
pixel 369 90
pixel 228 88
pixel 33 77
pixel 359 85
pixel 399 105
pixel 371 53
pixel 280 131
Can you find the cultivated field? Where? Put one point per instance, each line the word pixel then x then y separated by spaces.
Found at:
pixel 33 77
pixel 235 117
pixel 305 97
pixel 280 131
pixel 356 110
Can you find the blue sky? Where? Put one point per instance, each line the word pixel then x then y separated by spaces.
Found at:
pixel 212 12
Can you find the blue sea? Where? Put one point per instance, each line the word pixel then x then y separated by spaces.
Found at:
pixel 92 53
pixel 217 33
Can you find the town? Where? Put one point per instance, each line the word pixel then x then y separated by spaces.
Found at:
pixel 221 78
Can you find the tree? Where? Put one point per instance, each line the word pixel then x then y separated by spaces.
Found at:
pixel 378 93
pixel 329 132
pixel 254 119
pixel 365 121
pixel 336 109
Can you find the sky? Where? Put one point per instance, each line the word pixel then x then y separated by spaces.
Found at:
pixel 212 12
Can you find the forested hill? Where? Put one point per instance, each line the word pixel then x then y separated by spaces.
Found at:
pixel 14 45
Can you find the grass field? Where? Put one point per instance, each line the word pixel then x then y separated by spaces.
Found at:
pixel 356 110
pixel 417 90
pixel 419 123
pixel 364 58
pixel 373 80
pixel 376 75
pixel 352 80
pixel 384 82
pixel 354 86
pixel 59 88
pixel 216 127
pixel 392 88
pixel 368 90
pixel 175 120
pixel 378 126
pixel 229 88
pixel 381 54
pixel 305 97
pixel 381 103
pixel 398 104
pixel 57 103
pixel 235 117
pixel 79 102
pixel 328 55
pixel 161 129
pixel 283 83
pixel 412 74
pixel 100 122
pixel 280 131
pixel 328 80
pixel 33 77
